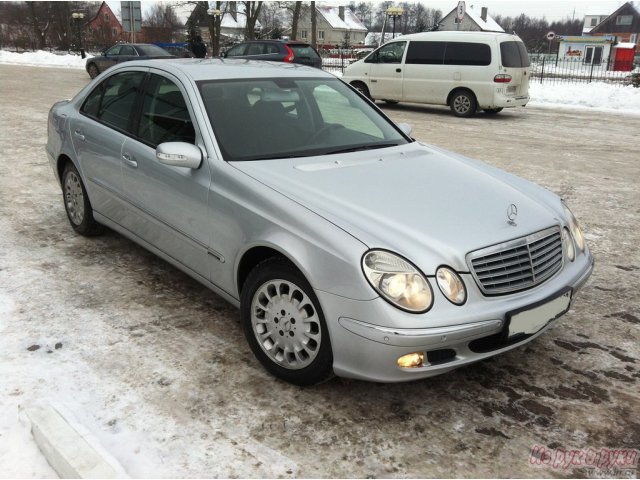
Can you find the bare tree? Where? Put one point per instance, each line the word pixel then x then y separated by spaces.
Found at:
pixel 295 19
pixel 252 11
pixel 160 22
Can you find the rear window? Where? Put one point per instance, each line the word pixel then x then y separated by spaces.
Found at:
pixel 303 51
pixel 514 55
pixel 426 53
pixel 464 53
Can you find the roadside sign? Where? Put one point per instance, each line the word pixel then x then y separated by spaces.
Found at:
pixel 460 11
pixel 551 35
pixel 131 13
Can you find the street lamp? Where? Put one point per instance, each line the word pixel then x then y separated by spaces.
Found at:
pixel 394 12
pixel 214 25
pixel 77 18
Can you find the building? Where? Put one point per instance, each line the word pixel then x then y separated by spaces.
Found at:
pixel 593 17
pixel 473 20
pixel 335 27
pixel 104 29
pixel 624 24
pixel 587 49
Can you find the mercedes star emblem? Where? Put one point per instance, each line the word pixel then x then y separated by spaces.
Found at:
pixel 512 213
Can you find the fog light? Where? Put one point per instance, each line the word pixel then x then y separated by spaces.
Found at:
pixel 411 360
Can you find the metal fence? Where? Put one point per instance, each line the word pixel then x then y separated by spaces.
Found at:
pixel 336 60
pixel 550 69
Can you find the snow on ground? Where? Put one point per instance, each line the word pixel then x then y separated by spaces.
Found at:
pixel 596 96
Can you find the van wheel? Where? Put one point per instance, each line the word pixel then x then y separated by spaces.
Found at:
pixel 492 111
pixel 463 103
pixel 362 88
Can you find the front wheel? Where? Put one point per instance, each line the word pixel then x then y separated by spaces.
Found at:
pixel 284 324
pixel 362 88
pixel 463 103
pixel 93 70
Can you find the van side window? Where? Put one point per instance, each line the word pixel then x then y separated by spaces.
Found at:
pixel 389 53
pixel 463 53
pixel 426 53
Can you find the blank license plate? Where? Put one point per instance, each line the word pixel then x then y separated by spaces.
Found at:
pixel 532 320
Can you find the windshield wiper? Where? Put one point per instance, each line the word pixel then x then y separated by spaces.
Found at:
pixel 361 148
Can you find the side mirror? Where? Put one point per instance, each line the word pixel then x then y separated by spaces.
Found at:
pixel 406 128
pixel 179 154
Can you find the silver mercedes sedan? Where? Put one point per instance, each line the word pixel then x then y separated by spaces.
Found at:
pixel 349 247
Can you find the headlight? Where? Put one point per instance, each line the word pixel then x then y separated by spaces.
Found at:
pixel 574 228
pixel 451 285
pixel 567 245
pixel 397 281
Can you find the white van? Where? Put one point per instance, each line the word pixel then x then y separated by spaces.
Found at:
pixel 465 70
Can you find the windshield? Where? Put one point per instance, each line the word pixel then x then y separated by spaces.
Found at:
pixel 152 50
pixel 258 119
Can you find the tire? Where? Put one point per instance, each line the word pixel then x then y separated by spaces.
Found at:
pixel 77 204
pixel 391 102
pixel 492 111
pixel 284 324
pixel 362 88
pixel 93 71
pixel 463 103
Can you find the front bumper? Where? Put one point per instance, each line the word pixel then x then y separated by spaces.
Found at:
pixel 367 351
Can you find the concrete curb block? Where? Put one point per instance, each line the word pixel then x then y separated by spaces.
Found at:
pixel 71 454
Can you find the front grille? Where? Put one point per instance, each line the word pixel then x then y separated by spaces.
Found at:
pixel 518 264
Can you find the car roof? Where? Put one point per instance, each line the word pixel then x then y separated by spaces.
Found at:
pixel 226 69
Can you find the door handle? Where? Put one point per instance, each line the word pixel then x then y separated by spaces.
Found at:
pixel 78 133
pixel 129 161
pixel 398 70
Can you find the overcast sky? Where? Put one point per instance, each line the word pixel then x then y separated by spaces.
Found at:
pixel 549 9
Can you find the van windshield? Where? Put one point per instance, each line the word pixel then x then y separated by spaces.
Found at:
pixel 514 55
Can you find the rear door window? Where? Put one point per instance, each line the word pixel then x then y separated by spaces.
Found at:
pixel 112 102
pixel 303 51
pixel 467 53
pixel 514 55
pixel 237 51
pixel 426 53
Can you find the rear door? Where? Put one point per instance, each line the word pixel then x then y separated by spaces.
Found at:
pixel 515 63
pixel 386 71
pixel 98 134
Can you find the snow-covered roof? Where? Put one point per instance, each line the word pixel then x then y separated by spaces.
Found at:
pixel 183 12
pixel 490 25
pixel 332 16
pixel 625 45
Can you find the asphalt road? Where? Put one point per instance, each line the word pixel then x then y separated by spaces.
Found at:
pixel 156 366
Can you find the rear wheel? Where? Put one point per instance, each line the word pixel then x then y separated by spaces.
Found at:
pixel 492 111
pixel 362 88
pixel 77 205
pixel 284 325
pixel 391 102
pixel 463 103
pixel 93 70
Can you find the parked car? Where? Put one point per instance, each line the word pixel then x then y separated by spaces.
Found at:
pixel 124 52
pixel 465 70
pixel 276 51
pixel 349 247
pixel 180 50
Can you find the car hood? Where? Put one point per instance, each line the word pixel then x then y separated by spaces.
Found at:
pixel 427 204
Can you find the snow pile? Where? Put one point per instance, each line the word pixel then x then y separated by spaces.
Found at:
pixel 41 58
pixel 598 96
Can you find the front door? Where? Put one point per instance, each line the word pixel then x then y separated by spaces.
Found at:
pixel 385 73
pixel 167 204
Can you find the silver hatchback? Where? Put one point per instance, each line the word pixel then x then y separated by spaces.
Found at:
pixel 349 247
